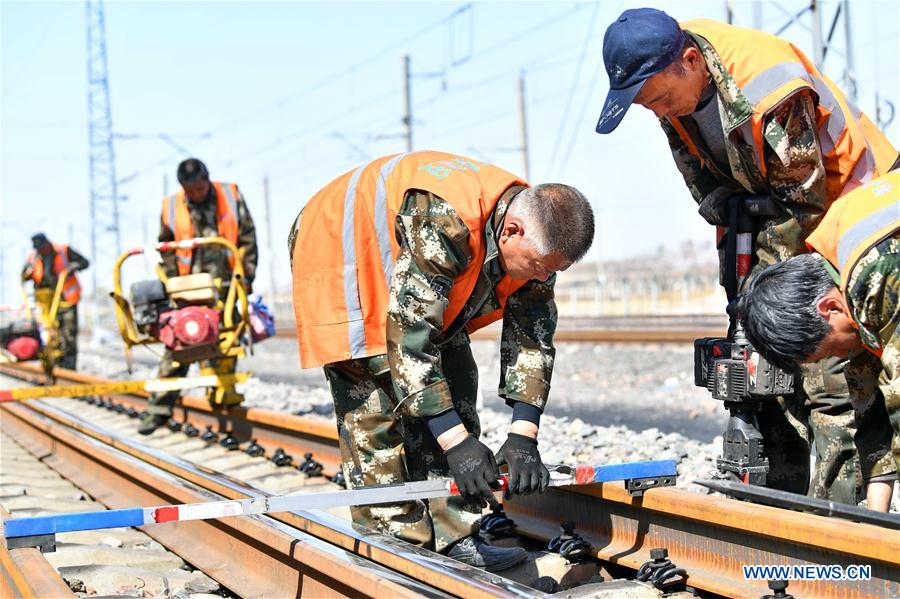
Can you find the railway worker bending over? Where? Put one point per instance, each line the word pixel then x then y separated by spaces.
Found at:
pixel 746 113
pixel 844 301
pixel 394 264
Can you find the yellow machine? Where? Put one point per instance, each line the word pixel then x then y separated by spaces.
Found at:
pixel 186 315
pixel 46 334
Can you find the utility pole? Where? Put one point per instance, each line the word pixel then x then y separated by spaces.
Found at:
pixel 523 125
pixel 165 185
pixel 105 239
pixel 849 66
pixel 407 103
pixel 269 245
pixel 818 47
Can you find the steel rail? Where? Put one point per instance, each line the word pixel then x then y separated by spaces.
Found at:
pixel 295 434
pixel 710 536
pixel 430 573
pixel 253 556
pixel 26 573
pixel 713 537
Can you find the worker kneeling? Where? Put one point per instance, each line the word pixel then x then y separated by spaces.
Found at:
pixel 840 302
pixel 394 264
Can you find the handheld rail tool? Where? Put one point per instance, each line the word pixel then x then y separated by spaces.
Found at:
pixel 730 368
pixel 188 314
pixel 149 386
pixel 40 531
pixel 36 336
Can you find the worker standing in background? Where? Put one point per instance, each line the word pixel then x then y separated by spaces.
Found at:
pixel 45 263
pixel 747 113
pixel 842 301
pixel 201 208
pixel 394 264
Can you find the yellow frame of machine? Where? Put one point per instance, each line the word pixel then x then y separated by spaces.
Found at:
pixel 231 331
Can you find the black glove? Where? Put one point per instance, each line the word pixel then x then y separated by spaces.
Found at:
pixel 474 470
pixel 527 472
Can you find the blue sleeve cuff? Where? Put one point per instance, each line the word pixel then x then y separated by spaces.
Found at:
pixel 526 411
pixel 443 422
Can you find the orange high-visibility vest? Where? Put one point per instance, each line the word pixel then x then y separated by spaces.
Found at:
pixel 346 247
pixel 769 70
pixel 856 223
pixel 175 210
pixel 71 292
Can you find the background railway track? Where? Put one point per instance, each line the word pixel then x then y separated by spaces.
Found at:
pixel 709 536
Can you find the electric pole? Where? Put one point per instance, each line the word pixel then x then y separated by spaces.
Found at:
pixel 105 238
pixel 523 125
pixel 269 244
pixel 818 47
pixel 849 66
pixel 407 103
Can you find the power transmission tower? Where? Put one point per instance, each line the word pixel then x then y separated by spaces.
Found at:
pixel 105 240
pixel 808 15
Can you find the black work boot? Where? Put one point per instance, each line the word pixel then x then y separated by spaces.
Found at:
pixel 151 422
pixel 474 551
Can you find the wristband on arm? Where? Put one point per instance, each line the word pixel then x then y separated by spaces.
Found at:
pixel 526 411
pixel 443 422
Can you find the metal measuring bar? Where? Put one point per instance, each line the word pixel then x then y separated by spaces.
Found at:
pixel 38 531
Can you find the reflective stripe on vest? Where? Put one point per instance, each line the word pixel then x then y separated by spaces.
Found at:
pixel 356 335
pixel 885 218
pixel 381 220
pixel 227 225
pixel 857 222
pixel 341 285
pixel 768 70
pixel 71 291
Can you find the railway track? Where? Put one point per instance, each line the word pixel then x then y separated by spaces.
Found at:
pixel 710 537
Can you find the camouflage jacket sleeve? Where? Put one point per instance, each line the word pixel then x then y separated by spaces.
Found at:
pixel 796 177
pixel 526 343
pixel 874 294
pixel 247 238
pixel 169 265
pixel 434 249
pixel 77 261
pixel 704 186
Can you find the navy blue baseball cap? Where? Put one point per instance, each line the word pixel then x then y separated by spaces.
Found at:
pixel 639 44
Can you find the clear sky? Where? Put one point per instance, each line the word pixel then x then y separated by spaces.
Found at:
pixel 304 91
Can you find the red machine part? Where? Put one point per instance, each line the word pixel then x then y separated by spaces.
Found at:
pixel 24 348
pixel 189 327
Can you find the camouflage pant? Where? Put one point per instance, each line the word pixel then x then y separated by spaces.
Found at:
pixel 162 403
pixel 870 397
pixel 821 413
pixel 67 319
pixel 379 446
pixel 890 388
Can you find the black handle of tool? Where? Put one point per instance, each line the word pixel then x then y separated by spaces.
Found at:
pixel 744 214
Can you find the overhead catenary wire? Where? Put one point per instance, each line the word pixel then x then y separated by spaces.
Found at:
pixel 565 115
